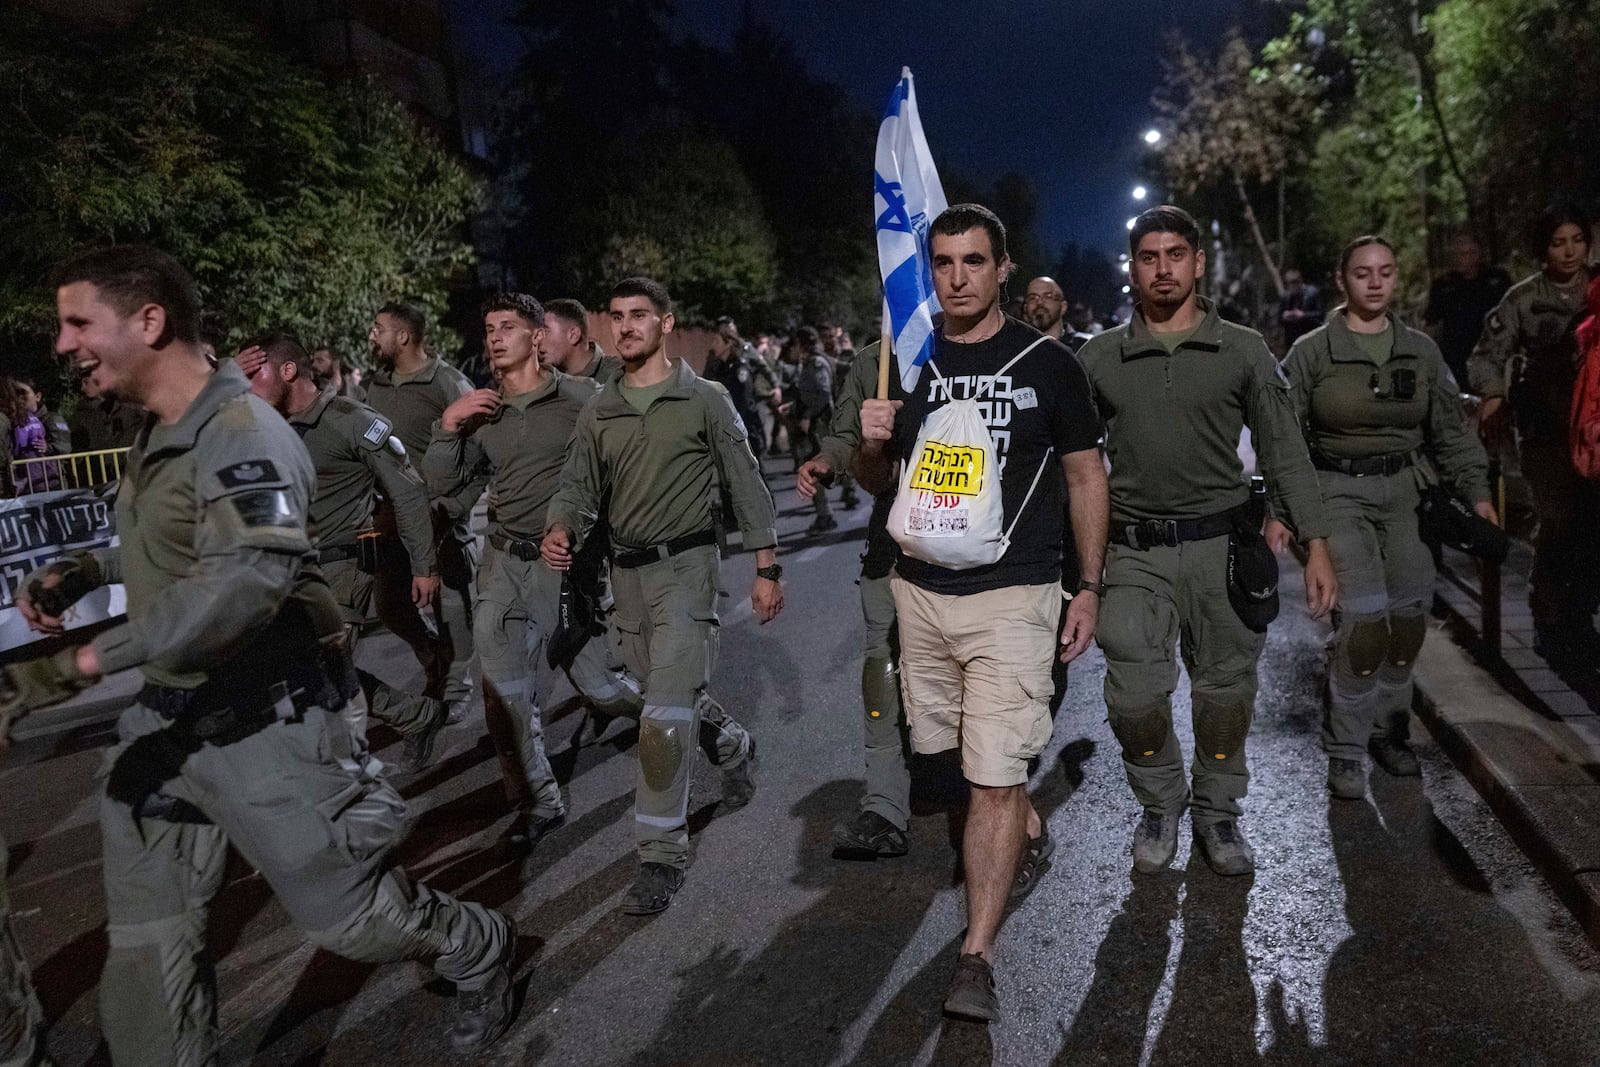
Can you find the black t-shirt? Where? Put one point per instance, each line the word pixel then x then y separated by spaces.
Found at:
pixel 1042 405
pixel 1458 306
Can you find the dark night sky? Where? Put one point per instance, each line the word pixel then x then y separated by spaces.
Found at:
pixel 1056 89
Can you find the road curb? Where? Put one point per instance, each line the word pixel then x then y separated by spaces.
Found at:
pixel 1532 771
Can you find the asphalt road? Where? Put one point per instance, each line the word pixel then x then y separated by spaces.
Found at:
pixel 1404 929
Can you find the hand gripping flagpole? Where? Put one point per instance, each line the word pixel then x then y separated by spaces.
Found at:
pixel 907 195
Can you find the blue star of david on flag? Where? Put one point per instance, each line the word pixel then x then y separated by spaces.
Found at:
pixel 907 195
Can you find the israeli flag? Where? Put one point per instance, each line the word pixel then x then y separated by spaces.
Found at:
pixel 907 197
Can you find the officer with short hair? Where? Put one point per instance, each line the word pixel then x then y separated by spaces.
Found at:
pixel 411 389
pixel 735 366
pixel 655 445
pixel 1176 386
pixel 566 346
pixel 518 439
pixel 355 457
pixel 237 737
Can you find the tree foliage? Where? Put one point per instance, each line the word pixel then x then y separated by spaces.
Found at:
pixel 293 201
pixel 732 169
pixel 1413 118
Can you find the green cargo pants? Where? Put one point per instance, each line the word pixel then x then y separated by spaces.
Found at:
pixel 887 738
pixel 406 712
pixel 1158 601
pixel 666 615
pixel 1385 577
pixel 298 800
pixel 443 640
pixel 21 1017
pixel 516 613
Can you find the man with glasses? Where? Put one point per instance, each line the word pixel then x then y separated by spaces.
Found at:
pixel 1045 309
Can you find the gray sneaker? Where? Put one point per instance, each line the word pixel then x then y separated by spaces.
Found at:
pixel 1225 849
pixel 1155 841
pixel 972 996
pixel 1347 778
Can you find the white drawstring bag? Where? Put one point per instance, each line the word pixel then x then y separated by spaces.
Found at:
pixel 948 511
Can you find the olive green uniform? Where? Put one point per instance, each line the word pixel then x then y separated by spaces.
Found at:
pixel 602 369
pixel 1173 422
pixel 886 740
pixel 21 1017
pixel 658 469
pixel 355 455
pixel 521 449
pixel 211 514
pixel 813 407
pixel 1389 403
pixel 412 406
pixel 1528 354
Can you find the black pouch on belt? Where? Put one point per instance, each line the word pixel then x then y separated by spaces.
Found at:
pixel 1252 568
pixel 1446 518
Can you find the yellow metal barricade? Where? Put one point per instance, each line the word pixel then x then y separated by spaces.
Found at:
pixel 74 470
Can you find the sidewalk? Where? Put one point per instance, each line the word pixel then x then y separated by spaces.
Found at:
pixel 1526 736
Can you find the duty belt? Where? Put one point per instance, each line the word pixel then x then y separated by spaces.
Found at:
pixel 640 557
pixel 523 550
pixel 1150 533
pixel 335 553
pixel 1364 467
pixel 225 709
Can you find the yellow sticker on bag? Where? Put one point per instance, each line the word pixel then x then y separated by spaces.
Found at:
pixel 953 469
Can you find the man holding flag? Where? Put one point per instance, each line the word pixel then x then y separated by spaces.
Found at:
pixel 977 641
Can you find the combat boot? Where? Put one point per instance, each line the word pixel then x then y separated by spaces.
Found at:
pixel 527 829
pixel 738 781
pixel 1155 841
pixel 1347 778
pixel 653 889
pixel 869 836
pixel 483 1015
pixel 419 744
pixel 1225 849
pixel 821 525
pixel 1396 757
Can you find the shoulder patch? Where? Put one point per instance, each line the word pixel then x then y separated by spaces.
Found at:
pixel 377 432
pixel 251 472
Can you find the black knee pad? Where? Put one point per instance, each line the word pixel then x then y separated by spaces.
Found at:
pixel 661 752
pixel 1142 732
pixel 1366 646
pixel 1405 637
pixel 1220 726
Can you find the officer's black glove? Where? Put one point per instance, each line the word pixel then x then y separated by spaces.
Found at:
pixel 38 683
pixel 77 575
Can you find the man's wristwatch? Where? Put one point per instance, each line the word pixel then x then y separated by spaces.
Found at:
pixel 771 574
pixel 1097 588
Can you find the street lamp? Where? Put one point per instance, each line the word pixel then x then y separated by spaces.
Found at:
pixel 1152 137
pixel 1140 192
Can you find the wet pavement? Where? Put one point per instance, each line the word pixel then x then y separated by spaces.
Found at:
pixel 1406 928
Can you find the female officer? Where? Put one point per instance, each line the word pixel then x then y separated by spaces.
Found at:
pixel 1526 363
pixel 1381 412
